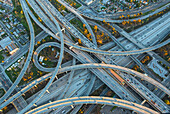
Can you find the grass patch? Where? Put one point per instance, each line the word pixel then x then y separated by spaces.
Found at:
pixel 73 3
pixel 2 92
pixel 18 13
pixel 13 73
pixel 1 56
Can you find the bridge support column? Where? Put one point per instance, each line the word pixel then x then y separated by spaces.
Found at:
pixel 35 105
pixel 47 91
pixel 143 102
pixel 134 112
pixel 72 106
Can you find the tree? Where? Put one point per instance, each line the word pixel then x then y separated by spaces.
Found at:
pixel 79 40
pixel 84 25
pixel 31 73
pixel 98 36
pixel 95 27
pixel 167 102
pixel 139 20
pixel 169 59
pixel 29 77
pixel 102 34
pixel 124 23
pixel 113 29
pixel 38 42
pixel 147 57
pixel 134 21
pixel 88 35
pixel 43 40
pixel 166 53
pixel 100 41
pixel 45 59
pixel 40 73
pixel 24 79
pixel 5 108
pixel 16 12
pixel 85 31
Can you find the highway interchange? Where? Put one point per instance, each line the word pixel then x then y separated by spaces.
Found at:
pixel 109 72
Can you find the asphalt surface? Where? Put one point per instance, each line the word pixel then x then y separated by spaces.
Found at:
pixel 49 17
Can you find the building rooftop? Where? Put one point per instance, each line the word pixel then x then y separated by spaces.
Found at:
pixel 5 42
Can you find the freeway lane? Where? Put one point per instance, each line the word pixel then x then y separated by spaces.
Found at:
pixel 142 46
pixel 87 92
pixel 113 82
pixel 92 65
pixel 91 107
pixel 123 69
pixel 56 25
pixel 7 83
pixel 69 81
pixel 93 100
pixel 81 18
pixel 9 61
pixel 133 52
pixel 54 72
pixel 142 31
pixel 91 46
pixel 14 85
pixel 101 18
pixel 122 47
pixel 132 11
pixel 36 53
pixel 34 83
pixel 41 68
pixel 137 87
pixel 143 10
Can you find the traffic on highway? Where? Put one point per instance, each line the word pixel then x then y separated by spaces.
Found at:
pixel 73 62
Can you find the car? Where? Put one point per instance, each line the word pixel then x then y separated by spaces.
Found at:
pixel 63 111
